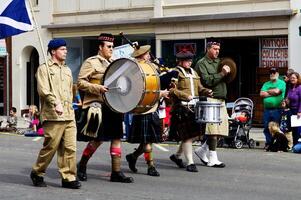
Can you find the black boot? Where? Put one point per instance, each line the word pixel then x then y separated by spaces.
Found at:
pixel 132 162
pixel 37 181
pixel 178 161
pixel 191 168
pixel 71 184
pixel 81 172
pixel 120 177
pixel 151 171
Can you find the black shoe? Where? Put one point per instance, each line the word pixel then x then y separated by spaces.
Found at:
pixel 132 162
pixel 151 171
pixel 71 184
pixel 37 181
pixel 120 177
pixel 178 161
pixel 221 165
pixel 82 173
pixel 191 168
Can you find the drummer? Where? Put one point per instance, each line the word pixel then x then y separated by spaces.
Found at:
pixel 207 68
pixel 145 128
pixel 183 125
pixel 89 81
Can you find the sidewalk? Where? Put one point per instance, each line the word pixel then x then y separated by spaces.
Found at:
pixel 257 135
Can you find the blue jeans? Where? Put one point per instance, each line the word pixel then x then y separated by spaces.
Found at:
pixel 268 116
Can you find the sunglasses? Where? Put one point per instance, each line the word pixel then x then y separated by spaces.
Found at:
pixel 273 72
pixel 110 46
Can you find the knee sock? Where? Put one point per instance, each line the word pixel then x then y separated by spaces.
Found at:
pixel 138 152
pixel 180 150
pixel 212 142
pixel 115 158
pixel 187 147
pixel 87 154
pixel 148 156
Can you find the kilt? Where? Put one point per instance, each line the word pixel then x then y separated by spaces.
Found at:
pixel 110 129
pixel 145 129
pixel 182 124
pixel 221 129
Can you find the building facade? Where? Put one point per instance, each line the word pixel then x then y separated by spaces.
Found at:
pixel 257 34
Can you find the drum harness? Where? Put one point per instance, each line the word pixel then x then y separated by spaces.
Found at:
pixel 191 76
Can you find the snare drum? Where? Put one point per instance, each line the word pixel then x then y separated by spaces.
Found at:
pixel 208 112
pixel 133 87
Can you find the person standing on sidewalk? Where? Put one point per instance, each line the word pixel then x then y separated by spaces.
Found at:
pixel 57 117
pixel 207 69
pixel 272 92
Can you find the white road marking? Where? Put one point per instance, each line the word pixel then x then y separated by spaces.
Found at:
pixel 161 148
pixel 36 139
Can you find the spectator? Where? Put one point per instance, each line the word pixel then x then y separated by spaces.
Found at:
pixel 77 102
pixel 287 80
pixel 12 119
pixel 272 92
pixel 35 125
pixel 285 123
pixel 279 141
pixel 294 101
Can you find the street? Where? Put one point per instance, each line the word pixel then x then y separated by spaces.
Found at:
pixel 249 174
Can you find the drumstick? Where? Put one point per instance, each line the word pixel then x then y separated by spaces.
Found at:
pixel 113 88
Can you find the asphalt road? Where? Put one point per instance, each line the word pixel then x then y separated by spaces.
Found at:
pixel 250 174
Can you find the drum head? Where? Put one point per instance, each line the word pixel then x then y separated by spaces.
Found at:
pixel 126 85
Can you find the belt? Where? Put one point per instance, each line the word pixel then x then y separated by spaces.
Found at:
pixel 94 81
pixel 189 103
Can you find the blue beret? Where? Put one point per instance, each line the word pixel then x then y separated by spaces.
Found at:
pixel 56 43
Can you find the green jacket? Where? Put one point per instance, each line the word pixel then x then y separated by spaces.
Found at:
pixel 207 69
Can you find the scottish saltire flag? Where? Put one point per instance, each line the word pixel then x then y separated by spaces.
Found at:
pixel 15 18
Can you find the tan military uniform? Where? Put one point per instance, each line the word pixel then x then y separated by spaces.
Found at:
pixel 183 124
pixel 183 86
pixel 90 77
pixel 59 130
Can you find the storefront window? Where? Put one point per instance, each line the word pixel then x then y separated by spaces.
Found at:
pixel 171 47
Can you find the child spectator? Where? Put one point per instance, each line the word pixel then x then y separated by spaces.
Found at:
pixel 285 123
pixel 35 125
pixel 12 119
pixel 279 142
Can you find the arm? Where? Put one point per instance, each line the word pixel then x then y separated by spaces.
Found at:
pixel 264 94
pixel 204 91
pixel 179 94
pixel 211 79
pixel 43 86
pixel 84 76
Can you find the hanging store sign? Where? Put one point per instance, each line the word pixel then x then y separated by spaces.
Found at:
pixel 178 47
pixel 3 48
pixel 274 52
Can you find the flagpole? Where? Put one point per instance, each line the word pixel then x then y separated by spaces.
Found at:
pixel 7 82
pixel 41 43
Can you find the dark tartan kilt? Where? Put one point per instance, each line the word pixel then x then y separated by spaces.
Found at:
pixel 182 124
pixel 145 129
pixel 111 126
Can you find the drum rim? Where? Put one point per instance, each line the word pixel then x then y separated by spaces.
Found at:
pixel 103 80
pixel 144 85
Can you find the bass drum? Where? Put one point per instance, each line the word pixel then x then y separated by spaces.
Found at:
pixel 133 87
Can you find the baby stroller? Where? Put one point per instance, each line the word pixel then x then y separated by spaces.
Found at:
pixel 240 124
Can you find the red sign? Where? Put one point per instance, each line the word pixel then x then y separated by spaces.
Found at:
pixel 274 52
pixel 178 47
